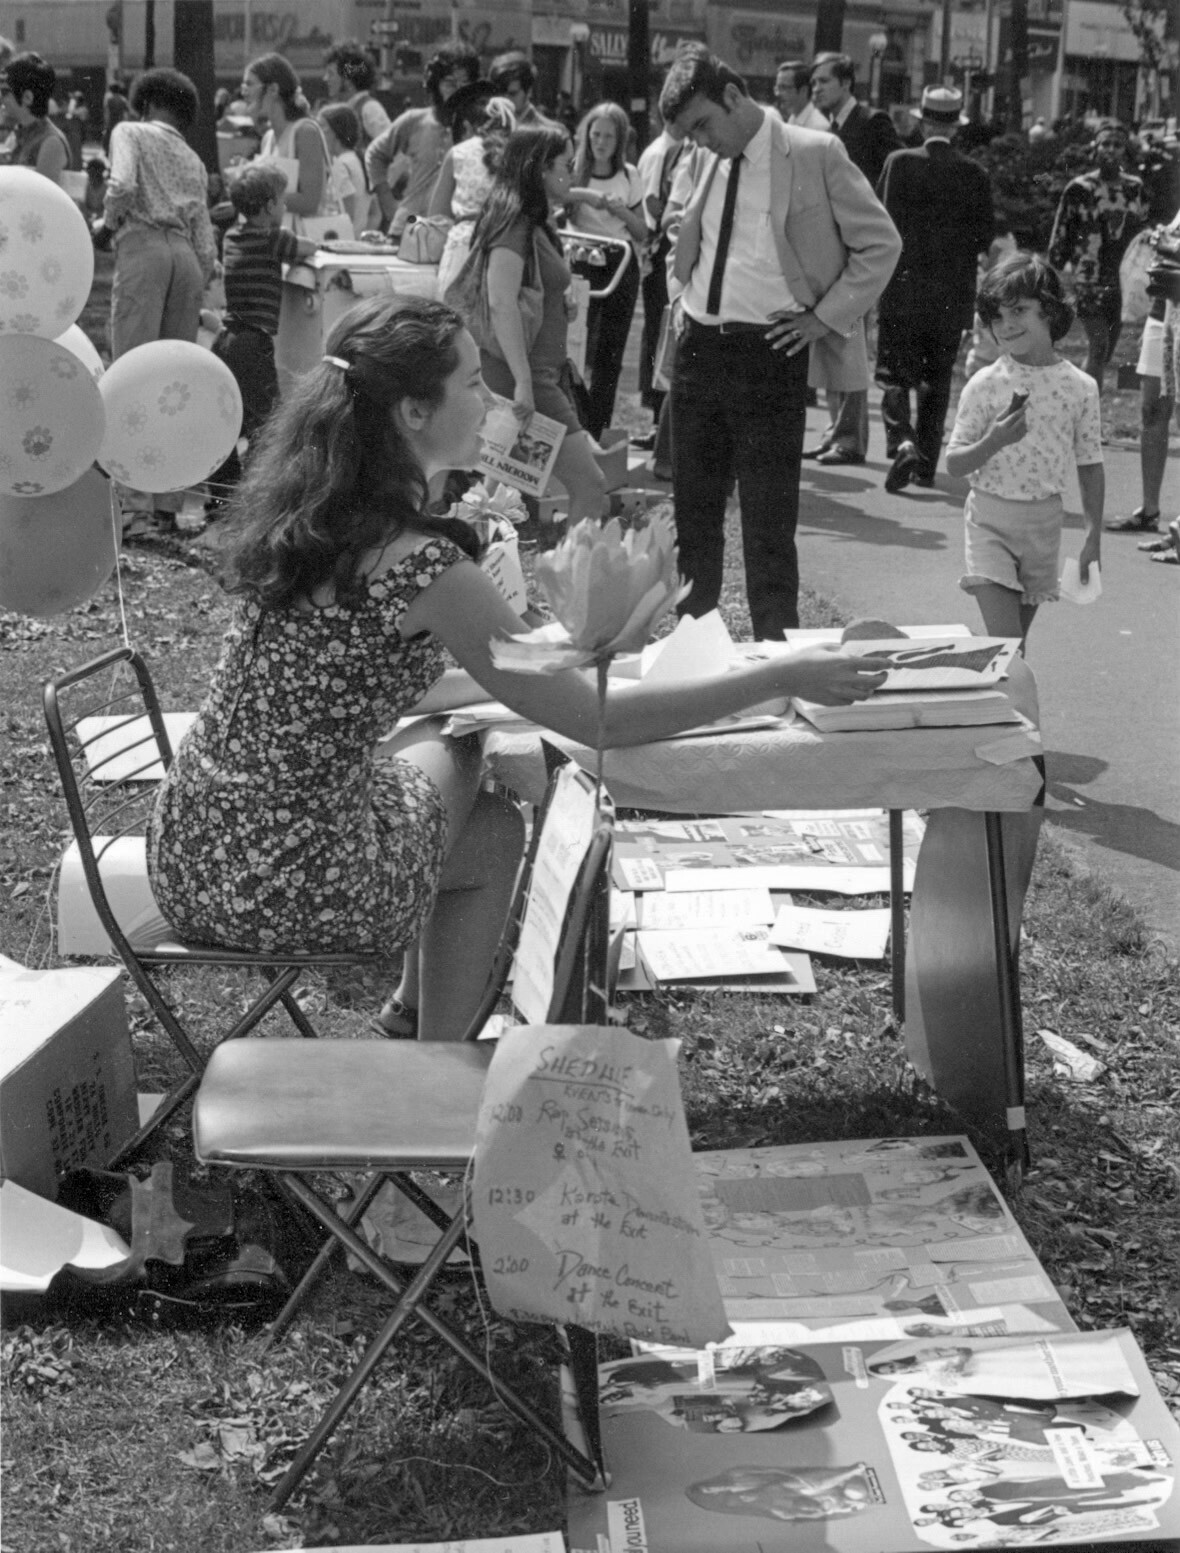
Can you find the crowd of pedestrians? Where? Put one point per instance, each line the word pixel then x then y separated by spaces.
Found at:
pixel 779 251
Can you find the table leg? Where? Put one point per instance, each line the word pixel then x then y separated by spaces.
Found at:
pixel 897 914
pixel 962 988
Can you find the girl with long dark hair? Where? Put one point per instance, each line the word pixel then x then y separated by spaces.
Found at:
pixel 280 824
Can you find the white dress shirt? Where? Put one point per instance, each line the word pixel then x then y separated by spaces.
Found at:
pixel 754 286
pixel 809 117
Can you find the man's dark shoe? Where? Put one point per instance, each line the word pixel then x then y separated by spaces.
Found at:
pixel 1139 522
pixel 904 468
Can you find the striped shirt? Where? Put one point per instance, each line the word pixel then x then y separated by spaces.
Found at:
pixel 253 257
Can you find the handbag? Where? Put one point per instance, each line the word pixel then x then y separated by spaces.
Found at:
pixel 424 239
pixel 468 295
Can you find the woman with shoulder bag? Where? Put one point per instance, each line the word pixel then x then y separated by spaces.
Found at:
pixel 512 291
pixel 270 91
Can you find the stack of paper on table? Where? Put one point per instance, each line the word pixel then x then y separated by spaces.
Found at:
pixel 878 1446
pixel 933 683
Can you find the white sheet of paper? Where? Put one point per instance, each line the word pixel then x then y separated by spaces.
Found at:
pixel 856 935
pixel 692 651
pixel 690 955
pixel 531 1542
pixel 1072 586
pixel 37 1239
pixel 705 909
pixel 781 876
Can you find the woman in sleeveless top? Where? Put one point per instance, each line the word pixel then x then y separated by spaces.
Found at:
pixel 270 90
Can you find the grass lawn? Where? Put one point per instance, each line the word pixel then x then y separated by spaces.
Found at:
pixel 123 1439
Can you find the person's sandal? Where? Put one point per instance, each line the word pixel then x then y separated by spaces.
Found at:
pixel 1139 522
pixel 397 1021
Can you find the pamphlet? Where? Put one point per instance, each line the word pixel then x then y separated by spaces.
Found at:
pixel 858 1447
pixel 522 455
pixel 906 1230
pixel 853 935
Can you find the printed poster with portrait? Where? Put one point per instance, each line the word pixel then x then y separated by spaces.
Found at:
pixel 872 1238
pixel 864 1447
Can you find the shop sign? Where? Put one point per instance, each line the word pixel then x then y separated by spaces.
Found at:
pixel 755 41
pixel 301 30
pixel 609 45
pixel 1100 32
pixel 1043 49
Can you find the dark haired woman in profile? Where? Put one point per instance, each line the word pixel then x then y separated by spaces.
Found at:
pixel 277 825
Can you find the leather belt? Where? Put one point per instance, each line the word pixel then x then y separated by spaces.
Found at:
pixel 736 327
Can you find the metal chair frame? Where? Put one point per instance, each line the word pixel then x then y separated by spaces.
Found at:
pixel 231 1128
pixel 107 804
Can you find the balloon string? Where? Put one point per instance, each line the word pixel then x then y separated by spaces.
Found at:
pixel 117 535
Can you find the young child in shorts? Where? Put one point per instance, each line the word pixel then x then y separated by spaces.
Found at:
pixel 1021 422
pixel 254 252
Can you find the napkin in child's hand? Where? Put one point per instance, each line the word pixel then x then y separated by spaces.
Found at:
pixel 1072 586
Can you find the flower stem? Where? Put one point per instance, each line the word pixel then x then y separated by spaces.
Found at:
pixel 602 666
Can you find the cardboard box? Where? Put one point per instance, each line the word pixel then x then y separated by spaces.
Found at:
pixel 67 1075
pixel 123 866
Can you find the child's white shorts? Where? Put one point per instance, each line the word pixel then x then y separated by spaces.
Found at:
pixel 1016 544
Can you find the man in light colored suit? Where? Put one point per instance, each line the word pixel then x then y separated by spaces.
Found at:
pixel 782 247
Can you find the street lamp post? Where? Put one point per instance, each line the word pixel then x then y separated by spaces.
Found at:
pixel 878 43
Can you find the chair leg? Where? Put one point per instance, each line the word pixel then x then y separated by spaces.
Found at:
pixel 409 1304
pixel 171 1102
pixel 322 1257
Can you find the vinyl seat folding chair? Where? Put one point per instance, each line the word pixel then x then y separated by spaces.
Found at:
pixel 112 748
pixel 393 1107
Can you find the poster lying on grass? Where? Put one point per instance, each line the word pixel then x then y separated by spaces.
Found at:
pixel 879 1237
pixel 882 1447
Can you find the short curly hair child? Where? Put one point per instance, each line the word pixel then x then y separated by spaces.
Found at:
pixel 1019 277
pixel 251 188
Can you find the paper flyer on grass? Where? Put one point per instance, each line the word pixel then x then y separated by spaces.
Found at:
pixel 909 1234
pixel 522 455
pixel 874 1452
pixel 762 850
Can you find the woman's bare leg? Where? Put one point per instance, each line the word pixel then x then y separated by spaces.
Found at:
pixel 1003 612
pixel 445 973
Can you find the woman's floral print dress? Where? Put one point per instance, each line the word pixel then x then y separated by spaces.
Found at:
pixel 276 827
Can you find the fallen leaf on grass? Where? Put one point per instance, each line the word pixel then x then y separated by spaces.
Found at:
pixel 202 1458
pixel 1069 1060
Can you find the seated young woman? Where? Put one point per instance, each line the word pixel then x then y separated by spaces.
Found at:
pixel 279 825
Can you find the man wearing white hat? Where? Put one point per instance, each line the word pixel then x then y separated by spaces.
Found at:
pixel 941 203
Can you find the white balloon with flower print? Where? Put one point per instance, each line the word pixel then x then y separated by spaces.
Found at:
pixel 51 416
pixel 173 410
pixel 46 256
pixel 79 344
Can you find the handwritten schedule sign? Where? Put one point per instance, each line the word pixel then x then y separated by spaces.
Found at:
pixel 585 1197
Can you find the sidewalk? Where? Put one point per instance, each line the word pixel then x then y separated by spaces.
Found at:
pixel 1107 673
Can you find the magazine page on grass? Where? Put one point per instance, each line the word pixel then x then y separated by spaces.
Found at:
pixel 868 1448
pixel 522 454
pixel 886 1237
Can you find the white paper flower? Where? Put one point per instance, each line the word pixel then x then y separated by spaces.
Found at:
pixel 608 590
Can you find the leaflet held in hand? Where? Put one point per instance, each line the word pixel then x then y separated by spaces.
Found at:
pixel 521 454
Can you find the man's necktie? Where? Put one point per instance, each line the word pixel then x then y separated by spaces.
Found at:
pixel 713 304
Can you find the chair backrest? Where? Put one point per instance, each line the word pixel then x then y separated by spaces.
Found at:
pixel 111 746
pixel 576 897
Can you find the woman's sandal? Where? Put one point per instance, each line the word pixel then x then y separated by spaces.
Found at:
pixel 1139 522
pixel 397 1021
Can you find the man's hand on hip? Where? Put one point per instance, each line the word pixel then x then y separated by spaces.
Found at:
pixel 794 332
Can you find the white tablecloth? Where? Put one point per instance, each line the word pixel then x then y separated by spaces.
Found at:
pixel 799 768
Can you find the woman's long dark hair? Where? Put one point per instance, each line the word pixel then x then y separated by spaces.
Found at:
pixel 584 157
pixel 519 186
pixel 332 477
pixel 275 70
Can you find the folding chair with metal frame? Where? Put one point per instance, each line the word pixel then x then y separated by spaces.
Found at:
pixel 112 748
pixel 396 1107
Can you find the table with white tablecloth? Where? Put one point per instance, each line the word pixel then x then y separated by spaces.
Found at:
pixel 981 790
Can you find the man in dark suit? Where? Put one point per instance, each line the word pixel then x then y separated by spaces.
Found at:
pixel 756 297
pixel 868 136
pixel 941 203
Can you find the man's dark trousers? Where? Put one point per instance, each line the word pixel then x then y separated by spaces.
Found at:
pixel 738 407
pixel 916 353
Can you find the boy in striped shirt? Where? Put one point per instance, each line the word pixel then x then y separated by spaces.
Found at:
pixel 255 249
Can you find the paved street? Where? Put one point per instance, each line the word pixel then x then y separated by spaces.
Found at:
pixel 1107 672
